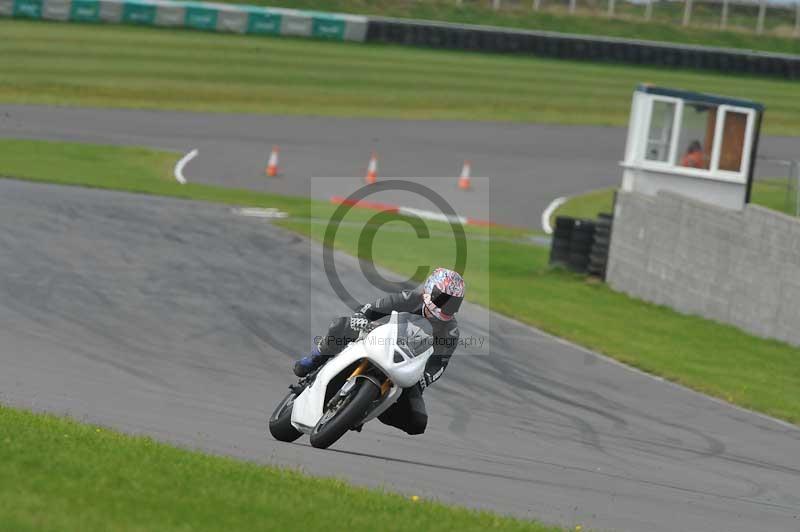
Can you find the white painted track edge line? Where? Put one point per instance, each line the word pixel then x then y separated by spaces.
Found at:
pixel 548 212
pixel 181 164
pixel 430 215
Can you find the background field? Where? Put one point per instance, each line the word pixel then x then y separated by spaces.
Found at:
pixel 590 18
pixel 64 64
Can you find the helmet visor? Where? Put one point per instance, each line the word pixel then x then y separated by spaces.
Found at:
pixel 445 302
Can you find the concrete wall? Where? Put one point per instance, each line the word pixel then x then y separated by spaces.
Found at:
pixel 737 267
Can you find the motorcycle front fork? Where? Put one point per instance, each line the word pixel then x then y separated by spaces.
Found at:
pixel 386 385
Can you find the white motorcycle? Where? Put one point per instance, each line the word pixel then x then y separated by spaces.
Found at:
pixel 357 385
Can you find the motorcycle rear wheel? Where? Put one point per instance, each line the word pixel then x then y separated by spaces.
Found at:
pixel 348 414
pixel 280 422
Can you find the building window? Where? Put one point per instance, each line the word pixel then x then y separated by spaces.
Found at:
pixel 734 127
pixel 659 138
pixel 696 138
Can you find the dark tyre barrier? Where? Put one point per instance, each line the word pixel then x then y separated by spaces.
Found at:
pixel 581 47
pixel 579 260
pixel 572 243
pixel 563 222
pixel 560 245
pixel 582 245
pixel 598 256
pixel 602 240
pixel 582 237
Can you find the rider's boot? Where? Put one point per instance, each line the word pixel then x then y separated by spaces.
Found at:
pixel 309 363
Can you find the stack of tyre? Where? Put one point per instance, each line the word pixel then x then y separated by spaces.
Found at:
pixel 572 243
pixel 598 256
pixel 581 245
pixel 559 246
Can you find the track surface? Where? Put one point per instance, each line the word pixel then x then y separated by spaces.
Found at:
pixel 527 165
pixel 180 320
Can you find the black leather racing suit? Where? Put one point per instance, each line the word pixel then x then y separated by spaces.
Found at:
pixel 408 413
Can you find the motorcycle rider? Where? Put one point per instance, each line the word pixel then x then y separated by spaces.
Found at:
pixel 437 299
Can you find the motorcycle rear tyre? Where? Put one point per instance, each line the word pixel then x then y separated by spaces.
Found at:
pixel 280 422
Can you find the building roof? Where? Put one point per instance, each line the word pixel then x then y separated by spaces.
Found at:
pixel 699 97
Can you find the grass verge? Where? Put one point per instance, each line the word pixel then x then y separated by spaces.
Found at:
pixel 131 169
pixel 61 475
pixel 510 278
pixel 133 67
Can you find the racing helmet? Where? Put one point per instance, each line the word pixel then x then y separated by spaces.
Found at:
pixel 442 294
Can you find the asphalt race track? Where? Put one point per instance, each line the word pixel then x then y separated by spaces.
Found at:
pixel 180 320
pixel 527 165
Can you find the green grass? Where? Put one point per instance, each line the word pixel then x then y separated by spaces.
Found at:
pixel 590 18
pixel 60 475
pixel 130 169
pixel 509 277
pixel 147 171
pixel 770 193
pixel 586 205
pixel 120 66
pixel 776 194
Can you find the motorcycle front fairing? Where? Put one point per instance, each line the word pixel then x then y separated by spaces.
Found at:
pixel 383 349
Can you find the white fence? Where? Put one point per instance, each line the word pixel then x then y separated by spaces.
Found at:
pixel 759 16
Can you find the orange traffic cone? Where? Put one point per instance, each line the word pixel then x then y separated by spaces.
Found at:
pixel 272 165
pixel 464 180
pixel 372 170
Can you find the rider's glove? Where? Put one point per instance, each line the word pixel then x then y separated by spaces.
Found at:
pixel 429 378
pixel 358 322
pixel 425 381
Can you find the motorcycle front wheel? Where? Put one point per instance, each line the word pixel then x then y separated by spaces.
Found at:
pixel 345 415
pixel 280 422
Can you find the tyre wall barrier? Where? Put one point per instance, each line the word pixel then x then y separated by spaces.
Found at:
pixel 581 47
pixel 598 255
pixel 196 15
pixel 581 245
pixel 341 27
pixel 559 245
pixel 573 240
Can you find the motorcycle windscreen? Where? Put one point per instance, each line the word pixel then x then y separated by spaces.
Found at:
pixel 414 334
